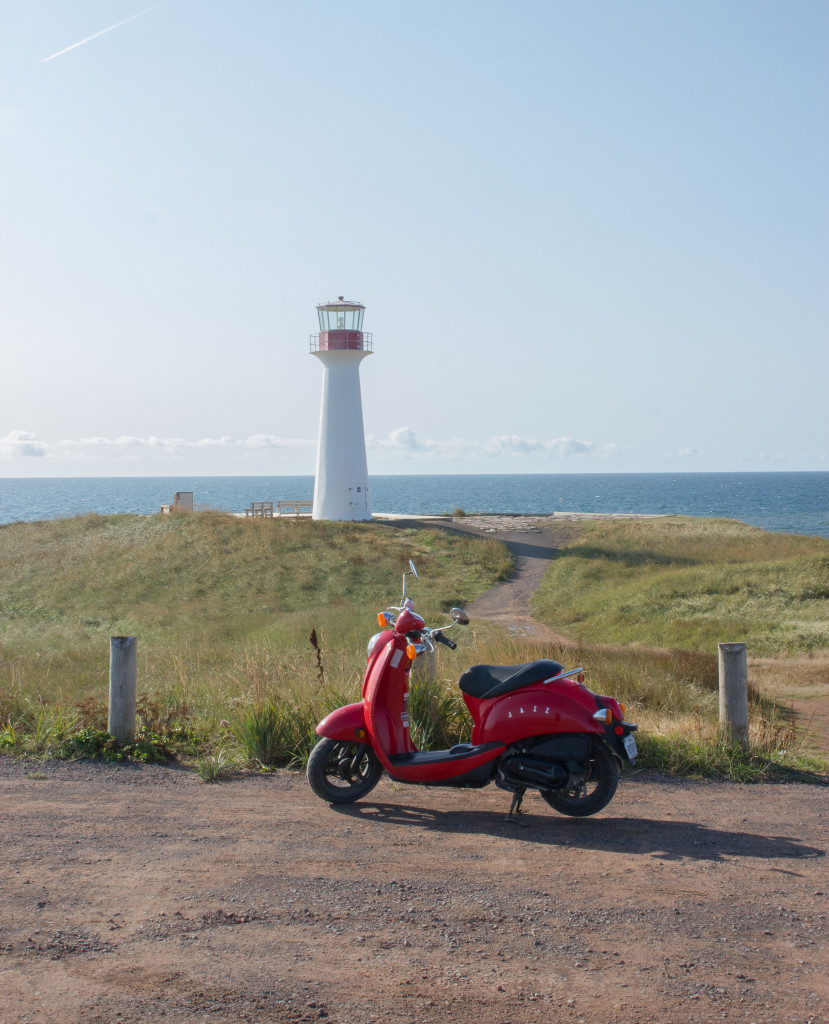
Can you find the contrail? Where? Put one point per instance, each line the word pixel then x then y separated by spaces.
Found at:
pixel 103 32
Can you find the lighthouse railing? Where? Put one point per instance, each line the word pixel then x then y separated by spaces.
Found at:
pixel 331 341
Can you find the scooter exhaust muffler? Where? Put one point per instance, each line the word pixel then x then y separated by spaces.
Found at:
pixel 530 771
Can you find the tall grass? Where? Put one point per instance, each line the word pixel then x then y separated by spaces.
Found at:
pixel 438 716
pixel 280 731
pixel 223 608
pixel 690 583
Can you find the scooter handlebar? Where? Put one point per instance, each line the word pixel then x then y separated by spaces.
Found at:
pixel 441 639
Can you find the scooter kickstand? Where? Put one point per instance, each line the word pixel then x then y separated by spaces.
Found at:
pixel 515 808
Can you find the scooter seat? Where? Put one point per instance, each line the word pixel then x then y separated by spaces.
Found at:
pixel 485 681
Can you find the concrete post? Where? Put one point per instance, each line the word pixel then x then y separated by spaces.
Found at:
pixel 122 678
pixel 733 692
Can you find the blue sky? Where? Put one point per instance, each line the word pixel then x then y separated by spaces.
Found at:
pixel 588 236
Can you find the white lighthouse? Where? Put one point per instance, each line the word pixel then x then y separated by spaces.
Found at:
pixel 341 488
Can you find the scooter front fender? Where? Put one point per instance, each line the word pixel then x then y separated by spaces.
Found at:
pixel 348 723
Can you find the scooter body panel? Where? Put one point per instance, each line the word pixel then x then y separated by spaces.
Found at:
pixel 440 767
pixel 535 710
pixel 386 698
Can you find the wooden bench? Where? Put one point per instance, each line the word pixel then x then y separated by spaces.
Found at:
pixel 305 505
pixel 260 510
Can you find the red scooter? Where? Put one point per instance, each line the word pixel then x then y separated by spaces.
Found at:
pixel 535 726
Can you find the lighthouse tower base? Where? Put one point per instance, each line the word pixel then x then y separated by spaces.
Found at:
pixel 341 488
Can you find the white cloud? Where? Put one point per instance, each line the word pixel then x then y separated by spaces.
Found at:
pixel 690 453
pixel 404 439
pixel 22 443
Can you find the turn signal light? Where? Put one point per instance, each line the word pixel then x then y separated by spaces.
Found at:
pixel 381 619
pixel 605 715
pixel 622 709
pixel 360 734
pixel 411 650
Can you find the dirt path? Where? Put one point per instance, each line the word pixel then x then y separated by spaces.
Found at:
pixel 140 894
pixel 813 717
pixel 532 541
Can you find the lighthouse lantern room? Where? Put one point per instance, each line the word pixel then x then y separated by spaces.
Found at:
pixel 341 328
pixel 341 487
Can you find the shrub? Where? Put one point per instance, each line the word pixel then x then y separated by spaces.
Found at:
pixel 213 767
pixel 263 734
pixel 96 743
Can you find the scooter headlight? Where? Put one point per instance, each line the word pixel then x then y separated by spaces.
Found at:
pixel 372 642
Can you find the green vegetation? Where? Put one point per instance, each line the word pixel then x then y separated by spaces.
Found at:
pixel 224 609
pixel 213 767
pixel 699 757
pixel 647 600
pixel 250 631
pixel 690 583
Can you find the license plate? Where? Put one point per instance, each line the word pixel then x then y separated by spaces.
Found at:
pixel 630 746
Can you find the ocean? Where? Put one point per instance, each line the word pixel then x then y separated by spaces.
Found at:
pixel 786 502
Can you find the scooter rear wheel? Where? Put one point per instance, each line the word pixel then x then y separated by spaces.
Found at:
pixel 341 772
pixel 595 792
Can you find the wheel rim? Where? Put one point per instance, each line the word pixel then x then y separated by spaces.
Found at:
pixel 340 769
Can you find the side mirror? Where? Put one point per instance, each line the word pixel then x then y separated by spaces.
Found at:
pixel 460 616
pixel 411 571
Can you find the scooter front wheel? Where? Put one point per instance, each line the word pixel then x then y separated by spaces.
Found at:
pixel 341 772
pixel 596 789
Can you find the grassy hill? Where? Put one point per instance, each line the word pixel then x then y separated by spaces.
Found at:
pixel 183 578
pixel 690 583
pixel 224 609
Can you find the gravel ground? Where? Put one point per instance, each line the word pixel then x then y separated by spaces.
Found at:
pixel 140 894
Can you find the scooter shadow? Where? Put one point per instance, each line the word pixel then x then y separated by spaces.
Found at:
pixel 667 840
